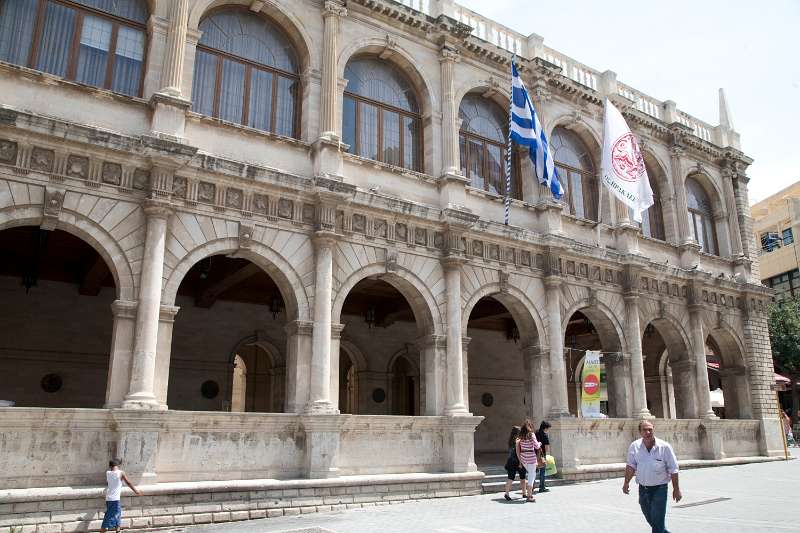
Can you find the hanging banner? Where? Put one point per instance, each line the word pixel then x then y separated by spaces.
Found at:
pixel 590 381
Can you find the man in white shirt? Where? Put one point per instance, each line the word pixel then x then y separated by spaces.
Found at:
pixel 654 463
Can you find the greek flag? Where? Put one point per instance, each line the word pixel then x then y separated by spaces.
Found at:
pixel 526 130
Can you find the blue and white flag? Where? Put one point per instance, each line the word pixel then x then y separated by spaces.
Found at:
pixel 526 130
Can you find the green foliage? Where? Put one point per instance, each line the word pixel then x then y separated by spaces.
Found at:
pixel 784 335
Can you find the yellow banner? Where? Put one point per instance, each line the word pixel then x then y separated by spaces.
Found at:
pixel 590 385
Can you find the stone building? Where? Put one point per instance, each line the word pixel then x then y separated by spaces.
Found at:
pixel 263 240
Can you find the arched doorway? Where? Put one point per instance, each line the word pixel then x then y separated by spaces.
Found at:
pixel 502 338
pixel 227 302
pixel 669 370
pixel 591 329
pixel 727 375
pixel 56 321
pixel 378 318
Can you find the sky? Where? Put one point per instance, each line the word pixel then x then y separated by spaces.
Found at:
pixel 685 51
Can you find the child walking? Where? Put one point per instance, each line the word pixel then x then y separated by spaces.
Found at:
pixel 114 478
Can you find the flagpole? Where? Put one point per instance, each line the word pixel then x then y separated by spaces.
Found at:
pixel 508 146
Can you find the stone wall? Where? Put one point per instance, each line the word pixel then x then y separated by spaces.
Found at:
pixel 183 504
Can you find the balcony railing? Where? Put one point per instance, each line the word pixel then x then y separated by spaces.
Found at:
pixel 531 46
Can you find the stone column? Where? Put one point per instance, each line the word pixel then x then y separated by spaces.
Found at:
pixel 448 57
pixel 432 349
pixel 319 400
pixel 733 219
pixel 141 392
pixel 536 364
pixel 737 393
pixel 455 366
pixel 322 437
pixel 298 364
pixel 465 370
pixel 169 103
pixel 163 352
pixel 637 360
pixel 331 13
pixel 698 337
pixel 681 207
pixel 119 368
pixel 559 404
pixel 172 75
pixel 336 337
pixel 452 185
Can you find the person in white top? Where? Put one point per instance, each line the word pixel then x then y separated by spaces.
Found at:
pixel 114 479
pixel 654 464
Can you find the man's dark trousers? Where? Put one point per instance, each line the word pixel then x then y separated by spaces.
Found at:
pixel 653 501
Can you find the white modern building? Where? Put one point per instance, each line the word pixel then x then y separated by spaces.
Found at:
pixel 250 242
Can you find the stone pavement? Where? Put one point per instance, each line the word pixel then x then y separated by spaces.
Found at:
pixel 756 497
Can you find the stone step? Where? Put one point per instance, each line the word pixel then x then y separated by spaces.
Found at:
pixel 494 481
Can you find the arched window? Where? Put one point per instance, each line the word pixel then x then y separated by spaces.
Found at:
pixel 576 172
pixel 482 144
pixel 701 217
pixel 653 218
pixel 96 42
pixel 246 72
pixel 381 118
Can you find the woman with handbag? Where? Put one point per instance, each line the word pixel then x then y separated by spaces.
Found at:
pixel 544 440
pixel 512 464
pixel 528 452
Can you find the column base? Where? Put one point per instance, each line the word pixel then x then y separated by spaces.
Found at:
pixel 320 407
pixel 709 416
pixel 557 412
pixel 644 414
pixel 142 401
pixel 456 410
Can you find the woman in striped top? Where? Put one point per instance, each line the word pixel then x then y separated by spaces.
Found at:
pixel 528 452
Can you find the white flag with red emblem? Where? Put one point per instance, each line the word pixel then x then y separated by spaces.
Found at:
pixel 623 165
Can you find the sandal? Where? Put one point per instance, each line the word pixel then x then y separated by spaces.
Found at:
pixel 533 500
pixel 507 497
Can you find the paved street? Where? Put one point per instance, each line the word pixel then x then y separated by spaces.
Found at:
pixel 758 497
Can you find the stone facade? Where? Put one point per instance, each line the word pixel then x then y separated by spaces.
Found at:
pixel 156 189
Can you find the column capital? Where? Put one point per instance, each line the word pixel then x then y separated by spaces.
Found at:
pixel 324 239
pixel 157 209
pixel 124 308
pixel 431 341
pixel 452 262
pixel 334 8
pixel 448 53
pixel 336 331
pixel 299 327
pixel 167 313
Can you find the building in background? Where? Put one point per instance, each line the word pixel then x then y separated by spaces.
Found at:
pixel 776 221
pixel 248 242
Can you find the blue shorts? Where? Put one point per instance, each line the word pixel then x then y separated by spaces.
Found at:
pixel 113 515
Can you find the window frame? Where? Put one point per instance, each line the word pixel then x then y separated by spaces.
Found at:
pixel 656 209
pixel 81 11
pixel 706 221
pixel 516 189
pixel 249 65
pixel 588 181
pixel 381 107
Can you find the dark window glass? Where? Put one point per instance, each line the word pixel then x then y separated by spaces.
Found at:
pixel 788 238
pixel 701 217
pixel 381 117
pixel 247 72
pixel 482 145
pixel 575 168
pixel 96 42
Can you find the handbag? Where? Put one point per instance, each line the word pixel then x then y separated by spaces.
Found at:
pixel 550 466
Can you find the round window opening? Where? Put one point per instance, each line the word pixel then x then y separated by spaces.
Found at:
pixel 487 399
pixel 378 395
pixel 52 383
pixel 209 389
